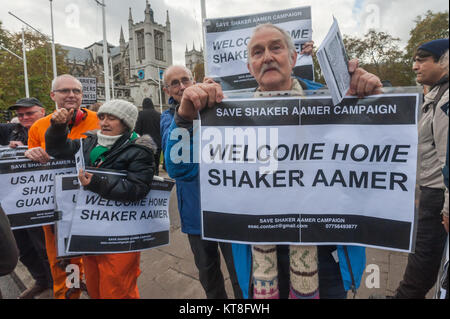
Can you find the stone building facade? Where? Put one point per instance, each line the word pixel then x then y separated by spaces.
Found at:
pixel 135 64
pixel 193 57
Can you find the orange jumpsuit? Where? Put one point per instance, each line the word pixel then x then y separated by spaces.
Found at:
pixel 36 138
pixel 112 276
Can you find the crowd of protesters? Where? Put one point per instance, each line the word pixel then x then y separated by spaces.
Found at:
pixel 116 136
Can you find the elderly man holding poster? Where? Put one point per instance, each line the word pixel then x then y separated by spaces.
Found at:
pixel 206 253
pixel 271 57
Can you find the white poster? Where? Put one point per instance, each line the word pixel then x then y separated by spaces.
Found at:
pixel 107 226
pixel 79 158
pixel 27 190
pixel 302 171
pixel 227 39
pixel 333 62
pixel 66 192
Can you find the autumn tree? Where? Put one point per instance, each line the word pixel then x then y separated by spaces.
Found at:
pixel 4 36
pixel 199 72
pixel 39 68
pixel 379 53
pixel 430 27
pixel 318 76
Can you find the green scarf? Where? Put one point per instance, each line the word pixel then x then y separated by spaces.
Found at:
pixel 98 152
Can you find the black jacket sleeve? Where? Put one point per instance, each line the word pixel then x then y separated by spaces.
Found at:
pixel 5 132
pixel 8 250
pixel 58 145
pixel 132 187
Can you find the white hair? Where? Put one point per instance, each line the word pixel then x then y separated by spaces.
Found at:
pixel 55 80
pixel 175 66
pixel 287 38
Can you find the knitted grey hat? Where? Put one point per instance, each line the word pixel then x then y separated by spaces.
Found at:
pixel 124 110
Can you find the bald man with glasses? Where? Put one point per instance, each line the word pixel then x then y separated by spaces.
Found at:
pixel 67 92
pixel 206 253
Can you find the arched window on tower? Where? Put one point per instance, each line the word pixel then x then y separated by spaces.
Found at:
pixel 140 45
pixel 159 48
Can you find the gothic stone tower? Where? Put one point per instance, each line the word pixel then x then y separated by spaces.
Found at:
pixel 150 50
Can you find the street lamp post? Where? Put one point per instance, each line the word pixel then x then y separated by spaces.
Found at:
pixel 105 54
pixel 203 8
pixel 159 86
pixel 46 36
pixel 6 49
pixel 112 77
pixel 55 74
pixel 25 71
pixel 24 65
pixel 159 89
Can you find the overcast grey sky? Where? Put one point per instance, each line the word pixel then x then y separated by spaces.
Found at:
pixel 79 22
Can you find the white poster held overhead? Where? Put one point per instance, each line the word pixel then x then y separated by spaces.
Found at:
pixel 27 190
pixel 333 62
pixel 108 226
pixel 227 39
pixel 302 171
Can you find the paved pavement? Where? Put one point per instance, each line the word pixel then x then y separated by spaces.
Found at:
pixel 169 272
pixel 9 288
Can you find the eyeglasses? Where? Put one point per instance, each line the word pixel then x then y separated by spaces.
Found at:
pixel 28 114
pixel 67 91
pixel 175 84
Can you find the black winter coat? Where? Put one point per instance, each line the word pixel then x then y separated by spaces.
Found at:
pixel 13 132
pixel 135 158
pixel 148 123
pixel 9 255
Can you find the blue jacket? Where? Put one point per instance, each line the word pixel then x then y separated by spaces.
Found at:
pixel 165 121
pixel 445 108
pixel 242 255
pixel 188 186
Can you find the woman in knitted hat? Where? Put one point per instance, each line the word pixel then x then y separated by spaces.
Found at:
pixel 115 146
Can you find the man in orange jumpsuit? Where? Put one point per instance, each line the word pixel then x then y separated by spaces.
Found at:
pixel 67 93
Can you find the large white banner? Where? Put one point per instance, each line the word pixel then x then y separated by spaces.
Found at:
pixel 93 225
pixel 227 39
pixel 302 171
pixel 27 190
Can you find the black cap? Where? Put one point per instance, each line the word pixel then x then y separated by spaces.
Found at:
pixel 26 102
